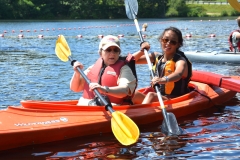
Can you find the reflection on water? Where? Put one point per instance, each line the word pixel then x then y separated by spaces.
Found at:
pixel 30 69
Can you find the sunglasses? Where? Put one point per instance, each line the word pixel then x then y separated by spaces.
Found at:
pixel 165 40
pixel 115 50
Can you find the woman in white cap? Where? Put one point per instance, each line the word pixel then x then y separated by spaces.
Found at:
pixel 110 75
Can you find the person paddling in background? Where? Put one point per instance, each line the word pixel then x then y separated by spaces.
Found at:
pixel 172 69
pixel 234 39
pixel 144 27
pixel 110 75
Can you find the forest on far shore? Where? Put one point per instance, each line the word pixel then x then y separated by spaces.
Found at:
pixel 96 9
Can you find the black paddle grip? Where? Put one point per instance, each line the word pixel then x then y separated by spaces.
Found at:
pixel 109 108
pixel 142 43
pixel 156 87
pixel 73 61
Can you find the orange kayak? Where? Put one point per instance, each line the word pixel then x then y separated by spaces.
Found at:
pixel 37 122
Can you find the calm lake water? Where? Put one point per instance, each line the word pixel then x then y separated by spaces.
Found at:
pixel 30 70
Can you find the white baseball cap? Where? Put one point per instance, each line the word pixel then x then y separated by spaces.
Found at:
pixel 109 41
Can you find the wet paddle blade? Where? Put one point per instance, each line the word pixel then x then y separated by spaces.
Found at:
pixel 124 129
pixel 62 49
pixel 173 128
pixel 131 7
pixel 235 4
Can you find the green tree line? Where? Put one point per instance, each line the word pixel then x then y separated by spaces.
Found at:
pixel 93 9
pixel 75 9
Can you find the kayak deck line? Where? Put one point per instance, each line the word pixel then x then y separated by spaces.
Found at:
pixel 71 105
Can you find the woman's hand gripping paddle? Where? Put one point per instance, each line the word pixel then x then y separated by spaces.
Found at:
pixel 169 125
pixel 124 129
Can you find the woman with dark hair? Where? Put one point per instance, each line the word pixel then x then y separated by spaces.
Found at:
pixel 172 69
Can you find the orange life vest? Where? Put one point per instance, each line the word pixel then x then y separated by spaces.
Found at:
pixel 179 87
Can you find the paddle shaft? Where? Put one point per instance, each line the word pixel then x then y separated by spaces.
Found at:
pixel 107 105
pixel 132 9
pixel 133 16
pixel 151 71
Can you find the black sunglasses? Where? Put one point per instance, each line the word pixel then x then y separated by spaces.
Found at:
pixel 115 50
pixel 165 40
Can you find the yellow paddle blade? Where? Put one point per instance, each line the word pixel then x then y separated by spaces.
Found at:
pixel 235 4
pixel 62 49
pixel 124 129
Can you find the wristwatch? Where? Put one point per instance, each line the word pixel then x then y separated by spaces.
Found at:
pixel 106 89
pixel 167 79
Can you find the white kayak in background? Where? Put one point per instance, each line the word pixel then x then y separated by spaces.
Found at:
pixel 213 57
